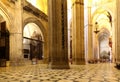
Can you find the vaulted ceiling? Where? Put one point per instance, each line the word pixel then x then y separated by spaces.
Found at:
pixel 40 4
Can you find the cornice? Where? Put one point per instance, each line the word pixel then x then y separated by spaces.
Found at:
pixel 31 9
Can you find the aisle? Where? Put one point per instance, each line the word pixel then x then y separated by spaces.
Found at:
pixel 78 73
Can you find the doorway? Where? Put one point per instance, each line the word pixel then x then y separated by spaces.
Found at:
pixel 4 41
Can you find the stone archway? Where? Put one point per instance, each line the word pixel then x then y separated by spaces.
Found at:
pixel 33 41
pixel 37 22
pixel 105 54
pixel 5 45
pixel 4 40
pixel 101 20
pixel 42 31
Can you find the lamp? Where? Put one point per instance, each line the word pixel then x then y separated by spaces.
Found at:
pixel 96 31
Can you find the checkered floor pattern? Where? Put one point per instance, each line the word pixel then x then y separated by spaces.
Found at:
pixel 103 72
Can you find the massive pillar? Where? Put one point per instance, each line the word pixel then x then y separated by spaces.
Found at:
pixel 117 35
pixel 16 55
pixel 58 43
pixel 78 32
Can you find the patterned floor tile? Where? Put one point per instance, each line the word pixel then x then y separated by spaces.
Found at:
pixel 102 72
pixel 65 80
pixel 82 80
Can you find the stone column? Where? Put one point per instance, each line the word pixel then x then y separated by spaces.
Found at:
pixel 16 55
pixel 117 34
pixel 58 43
pixel 90 35
pixel 78 32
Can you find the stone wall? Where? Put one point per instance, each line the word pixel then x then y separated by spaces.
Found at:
pixel 16 17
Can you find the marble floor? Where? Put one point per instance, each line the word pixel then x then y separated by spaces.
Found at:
pixel 103 72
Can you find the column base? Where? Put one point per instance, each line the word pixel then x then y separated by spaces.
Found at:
pixel 17 63
pixel 58 66
pixel 80 62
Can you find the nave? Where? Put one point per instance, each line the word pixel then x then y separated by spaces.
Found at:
pixel 102 72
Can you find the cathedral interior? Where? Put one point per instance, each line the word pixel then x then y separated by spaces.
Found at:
pixel 59 41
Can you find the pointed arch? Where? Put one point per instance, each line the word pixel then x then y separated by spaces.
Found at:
pixel 37 22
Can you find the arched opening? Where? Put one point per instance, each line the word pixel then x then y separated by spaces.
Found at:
pixel 33 42
pixel 104 48
pixel 102 32
pixel 4 42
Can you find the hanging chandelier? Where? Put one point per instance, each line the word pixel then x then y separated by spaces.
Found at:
pixel 96 29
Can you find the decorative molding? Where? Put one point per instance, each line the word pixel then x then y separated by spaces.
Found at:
pixel 12 1
pixel 80 3
pixel 38 13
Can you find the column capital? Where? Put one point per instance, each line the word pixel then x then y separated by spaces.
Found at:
pixel 77 3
